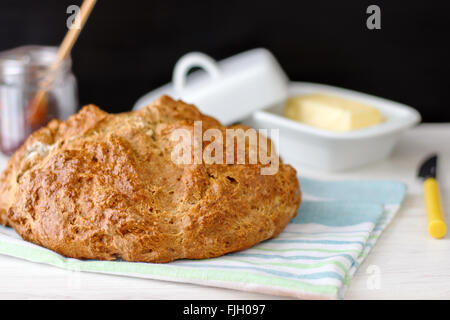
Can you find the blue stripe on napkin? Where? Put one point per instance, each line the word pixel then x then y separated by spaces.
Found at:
pixel 382 191
pixel 338 214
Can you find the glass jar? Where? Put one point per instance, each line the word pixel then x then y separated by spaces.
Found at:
pixel 21 72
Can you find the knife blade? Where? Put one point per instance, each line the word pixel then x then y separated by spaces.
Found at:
pixel 428 172
pixel 428 168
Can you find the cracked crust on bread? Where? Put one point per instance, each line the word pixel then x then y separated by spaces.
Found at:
pixel 103 186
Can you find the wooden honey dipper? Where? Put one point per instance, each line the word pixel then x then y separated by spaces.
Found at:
pixel 39 104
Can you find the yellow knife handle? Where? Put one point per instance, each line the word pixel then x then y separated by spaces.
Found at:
pixel 436 223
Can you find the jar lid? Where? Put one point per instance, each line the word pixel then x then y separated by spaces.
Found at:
pixel 229 90
pixel 27 64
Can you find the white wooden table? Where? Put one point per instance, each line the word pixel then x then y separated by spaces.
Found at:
pixel 412 265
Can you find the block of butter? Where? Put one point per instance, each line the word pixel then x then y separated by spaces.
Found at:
pixel 331 112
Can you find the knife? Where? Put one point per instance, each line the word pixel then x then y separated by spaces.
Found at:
pixel 435 216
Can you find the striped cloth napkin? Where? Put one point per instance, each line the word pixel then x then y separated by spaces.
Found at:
pixel 315 257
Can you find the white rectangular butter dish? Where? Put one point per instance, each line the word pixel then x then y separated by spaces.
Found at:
pixel 335 151
pixel 228 90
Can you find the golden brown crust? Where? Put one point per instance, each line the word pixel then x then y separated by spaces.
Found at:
pixel 102 186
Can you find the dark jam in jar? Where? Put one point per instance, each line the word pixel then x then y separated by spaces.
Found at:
pixel 31 93
pixel 15 126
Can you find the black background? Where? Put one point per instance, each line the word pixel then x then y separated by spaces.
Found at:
pixel 129 47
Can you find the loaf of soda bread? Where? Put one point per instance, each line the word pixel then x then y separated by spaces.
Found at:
pixel 105 186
